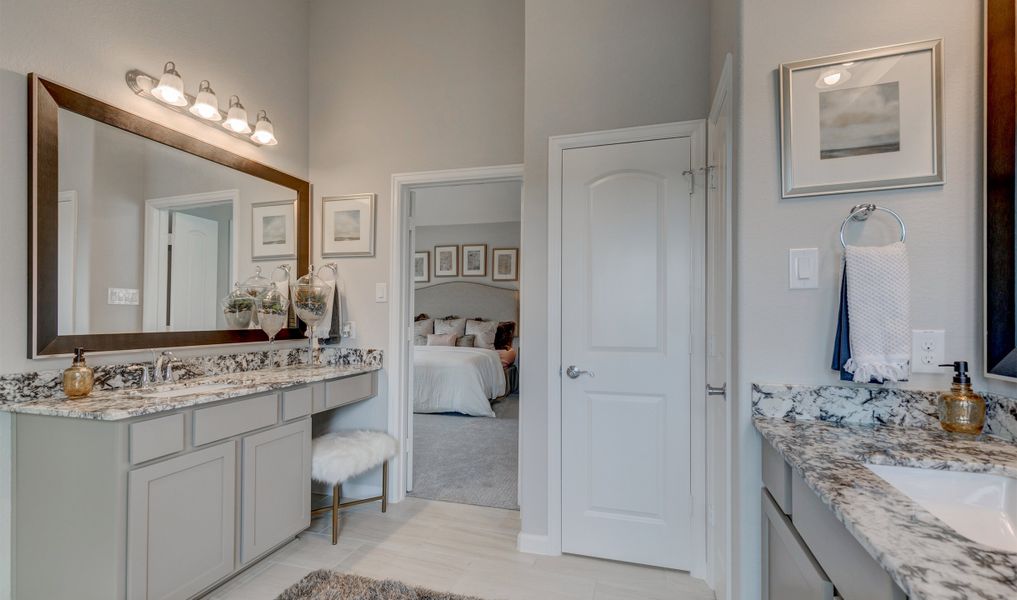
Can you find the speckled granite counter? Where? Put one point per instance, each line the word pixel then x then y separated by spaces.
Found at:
pixel 925 557
pixel 116 405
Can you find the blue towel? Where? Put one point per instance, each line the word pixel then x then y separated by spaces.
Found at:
pixel 842 343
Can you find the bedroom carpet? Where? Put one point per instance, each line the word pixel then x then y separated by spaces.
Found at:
pixel 469 460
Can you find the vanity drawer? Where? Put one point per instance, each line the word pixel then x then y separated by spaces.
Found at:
pixel 227 420
pixel 851 569
pixel 156 437
pixel 777 477
pixel 346 391
pixel 297 403
pixel 790 572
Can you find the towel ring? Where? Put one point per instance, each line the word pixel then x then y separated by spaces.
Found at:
pixel 861 212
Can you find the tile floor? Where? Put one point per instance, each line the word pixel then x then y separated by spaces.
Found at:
pixel 456 548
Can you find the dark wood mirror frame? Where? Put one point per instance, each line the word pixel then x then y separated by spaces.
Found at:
pixel 1000 186
pixel 44 100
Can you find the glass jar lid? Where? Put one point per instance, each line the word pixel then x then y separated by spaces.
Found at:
pixel 256 285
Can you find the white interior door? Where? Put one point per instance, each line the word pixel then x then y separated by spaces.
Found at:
pixel 627 256
pixel 718 310
pixel 194 270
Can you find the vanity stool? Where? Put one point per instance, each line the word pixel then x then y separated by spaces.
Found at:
pixel 340 456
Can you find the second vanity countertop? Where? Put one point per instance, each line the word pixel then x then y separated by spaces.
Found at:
pixel 927 559
pixel 116 405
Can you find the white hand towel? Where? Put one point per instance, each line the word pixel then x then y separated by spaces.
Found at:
pixel 879 312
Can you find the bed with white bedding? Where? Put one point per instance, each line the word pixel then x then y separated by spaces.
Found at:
pixel 456 379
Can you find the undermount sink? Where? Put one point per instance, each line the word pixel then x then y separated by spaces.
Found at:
pixel 980 506
pixel 207 388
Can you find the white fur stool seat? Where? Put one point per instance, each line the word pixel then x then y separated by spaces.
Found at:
pixel 340 456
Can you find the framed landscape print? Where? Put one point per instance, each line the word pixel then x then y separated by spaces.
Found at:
pixel 273 230
pixel 421 267
pixel 347 225
pixel 505 264
pixel 446 261
pixel 867 120
pixel 474 260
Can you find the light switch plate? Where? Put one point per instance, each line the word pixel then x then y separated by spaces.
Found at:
pixel 126 296
pixel 803 268
pixel 928 350
pixel 349 330
pixel 381 292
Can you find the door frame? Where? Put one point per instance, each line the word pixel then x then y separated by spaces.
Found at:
pixel 725 94
pixel 155 248
pixel 557 145
pixel 400 307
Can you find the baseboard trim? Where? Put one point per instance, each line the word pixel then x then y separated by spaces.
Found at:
pixel 535 544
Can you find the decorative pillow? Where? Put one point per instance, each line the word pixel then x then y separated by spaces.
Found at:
pixel 467 341
pixel 485 332
pixel 421 317
pixel 442 339
pixel 422 329
pixel 506 331
pixel 456 326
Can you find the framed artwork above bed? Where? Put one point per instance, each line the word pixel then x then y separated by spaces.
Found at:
pixel 421 266
pixel 505 264
pixel 474 260
pixel 446 261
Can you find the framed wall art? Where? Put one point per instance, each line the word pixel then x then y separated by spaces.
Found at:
pixel 505 264
pixel 474 260
pixel 421 267
pixel 866 120
pixel 347 225
pixel 273 230
pixel 446 261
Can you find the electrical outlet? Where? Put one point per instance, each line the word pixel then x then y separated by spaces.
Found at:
pixel 349 331
pixel 928 350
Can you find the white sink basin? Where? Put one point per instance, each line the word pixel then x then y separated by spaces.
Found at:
pixel 980 506
pixel 207 388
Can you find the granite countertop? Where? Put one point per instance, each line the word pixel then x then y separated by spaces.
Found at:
pixel 116 405
pixel 927 559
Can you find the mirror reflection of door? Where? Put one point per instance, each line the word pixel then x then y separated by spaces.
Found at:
pixel 194 271
pixel 67 242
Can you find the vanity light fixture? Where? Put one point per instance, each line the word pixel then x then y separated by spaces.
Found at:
pixel 171 86
pixel 264 132
pixel 236 117
pixel 168 91
pixel 206 105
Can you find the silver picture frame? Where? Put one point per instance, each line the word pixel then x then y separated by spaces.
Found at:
pixel 364 245
pixel 792 188
pixel 285 210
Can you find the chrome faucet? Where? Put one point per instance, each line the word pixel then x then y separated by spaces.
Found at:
pixel 164 367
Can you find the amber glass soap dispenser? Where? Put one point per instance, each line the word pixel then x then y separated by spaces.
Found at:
pixel 79 377
pixel 961 410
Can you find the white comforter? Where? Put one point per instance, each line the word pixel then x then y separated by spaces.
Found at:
pixel 456 379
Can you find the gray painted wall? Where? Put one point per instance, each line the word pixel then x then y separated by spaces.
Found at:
pixel 590 65
pixel 495 235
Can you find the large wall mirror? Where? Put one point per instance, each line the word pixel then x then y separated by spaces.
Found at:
pixel 1000 185
pixel 139 231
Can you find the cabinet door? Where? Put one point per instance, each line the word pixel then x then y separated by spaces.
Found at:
pixel 789 570
pixel 180 524
pixel 276 495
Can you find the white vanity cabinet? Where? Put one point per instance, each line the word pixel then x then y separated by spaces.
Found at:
pixel 164 506
pixel 807 553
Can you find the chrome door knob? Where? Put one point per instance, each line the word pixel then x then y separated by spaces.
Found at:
pixel 574 372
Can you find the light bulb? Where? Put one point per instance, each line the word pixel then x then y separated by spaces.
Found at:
pixel 264 132
pixel 832 78
pixel 171 86
pixel 236 117
pixel 206 105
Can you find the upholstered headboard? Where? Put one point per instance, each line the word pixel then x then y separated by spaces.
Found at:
pixel 468 299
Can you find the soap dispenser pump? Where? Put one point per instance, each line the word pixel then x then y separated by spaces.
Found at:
pixel 961 410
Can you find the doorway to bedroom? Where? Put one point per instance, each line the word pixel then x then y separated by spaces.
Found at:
pixel 459 301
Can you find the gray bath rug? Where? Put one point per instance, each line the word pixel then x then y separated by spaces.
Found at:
pixel 469 460
pixel 329 585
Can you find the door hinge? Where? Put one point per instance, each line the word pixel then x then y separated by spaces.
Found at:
pixel 691 174
pixel 170 238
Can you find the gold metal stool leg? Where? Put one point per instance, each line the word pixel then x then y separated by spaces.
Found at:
pixel 337 493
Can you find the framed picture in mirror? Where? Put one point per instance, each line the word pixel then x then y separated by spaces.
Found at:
pixel 273 230
pixel 347 225
pixel 505 264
